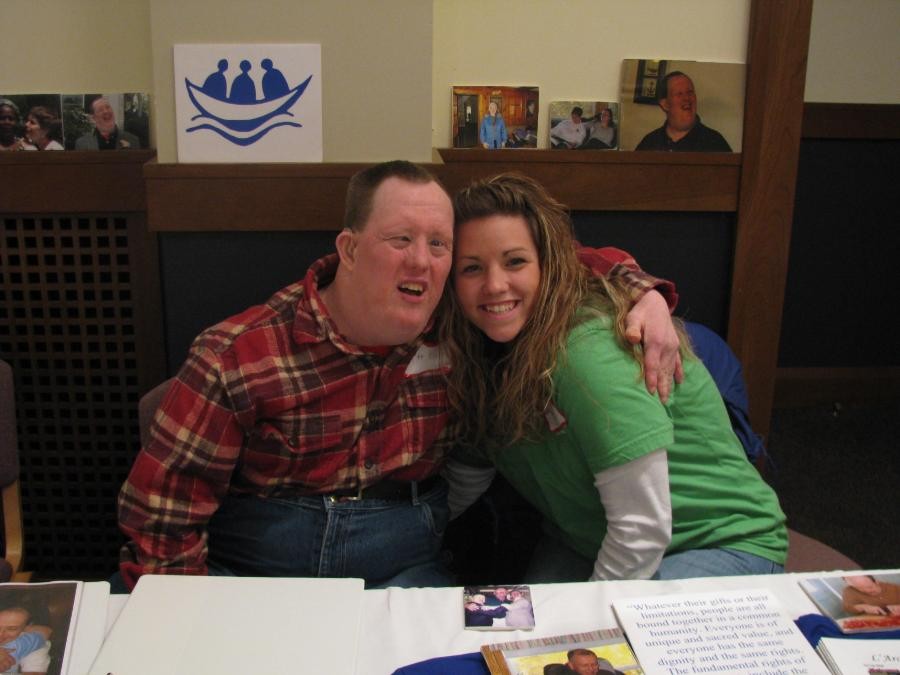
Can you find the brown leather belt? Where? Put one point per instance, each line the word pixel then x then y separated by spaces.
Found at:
pixel 391 490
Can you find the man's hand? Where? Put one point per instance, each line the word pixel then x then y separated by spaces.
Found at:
pixel 649 323
pixel 6 660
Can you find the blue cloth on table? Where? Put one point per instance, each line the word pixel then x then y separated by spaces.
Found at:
pixel 461 664
pixel 815 626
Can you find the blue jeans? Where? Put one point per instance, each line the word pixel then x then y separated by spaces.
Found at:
pixel 385 542
pixel 556 562
pixel 714 562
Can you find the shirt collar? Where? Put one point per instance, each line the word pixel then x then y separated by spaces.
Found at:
pixel 312 321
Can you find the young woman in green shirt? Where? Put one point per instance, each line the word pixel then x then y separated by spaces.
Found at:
pixel 544 384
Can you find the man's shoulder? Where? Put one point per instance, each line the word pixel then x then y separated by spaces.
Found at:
pixel 709 138
pixel 86 141
pixel 278 312
pixel 653 140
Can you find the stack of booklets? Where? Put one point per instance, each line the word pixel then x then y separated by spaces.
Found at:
pixel 860 657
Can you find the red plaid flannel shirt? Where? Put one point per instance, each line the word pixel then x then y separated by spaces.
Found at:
pixel 274 402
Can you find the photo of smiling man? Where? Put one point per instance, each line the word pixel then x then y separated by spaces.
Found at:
pixel 680 89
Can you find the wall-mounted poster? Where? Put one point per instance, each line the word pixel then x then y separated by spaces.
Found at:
pixel 682 106
pixel 494 117
pixel 584 125
pixel 248 102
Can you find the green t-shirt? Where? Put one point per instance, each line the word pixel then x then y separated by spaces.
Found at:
pixel 718 498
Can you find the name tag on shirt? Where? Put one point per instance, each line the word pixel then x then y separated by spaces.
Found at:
pixel 426 358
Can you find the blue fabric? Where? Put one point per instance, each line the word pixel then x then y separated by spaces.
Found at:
pixel 815 626
pixel 713 562
pixel 387 543
pixel 726 371
pixel 461 664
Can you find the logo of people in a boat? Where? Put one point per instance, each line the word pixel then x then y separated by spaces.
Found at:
pixel 237 115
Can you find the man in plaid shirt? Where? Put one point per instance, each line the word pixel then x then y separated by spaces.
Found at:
pixel 305 437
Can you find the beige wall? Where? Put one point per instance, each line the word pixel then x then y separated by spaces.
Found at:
pixel 75 46
pixel 376 66
pixel 572 49
pixel 854 52
pixel 383 96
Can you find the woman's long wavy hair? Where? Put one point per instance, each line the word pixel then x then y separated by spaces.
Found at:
pixel 499 392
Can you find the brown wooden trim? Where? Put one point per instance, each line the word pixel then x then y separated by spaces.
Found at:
pixel 856 121
pixel 609 181
pixel 72 182
pixel 796 387
pixel 148 318
pixel 776 71
pixel 219 197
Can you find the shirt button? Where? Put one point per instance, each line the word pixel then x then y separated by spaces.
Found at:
pixel 294 442
pixel 368 464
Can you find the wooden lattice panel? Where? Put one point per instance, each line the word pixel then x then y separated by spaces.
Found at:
pixel 67 309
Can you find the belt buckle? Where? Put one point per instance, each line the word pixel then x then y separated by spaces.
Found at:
pixel 340 499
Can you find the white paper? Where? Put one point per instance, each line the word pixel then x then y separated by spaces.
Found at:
pixel 90 626
pixel 180 625
pixel 849 656
pixel 720 632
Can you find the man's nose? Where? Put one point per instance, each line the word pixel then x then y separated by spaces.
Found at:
pixel 417 254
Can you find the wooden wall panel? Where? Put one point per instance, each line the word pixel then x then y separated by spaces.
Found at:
pixel 776 74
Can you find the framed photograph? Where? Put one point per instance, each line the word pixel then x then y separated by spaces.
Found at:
pixel 31 122
pixel 120 119
pixel 681 106
pixel 584 125
pixel 494 118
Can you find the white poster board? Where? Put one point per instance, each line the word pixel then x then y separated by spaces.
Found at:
pixel 248 102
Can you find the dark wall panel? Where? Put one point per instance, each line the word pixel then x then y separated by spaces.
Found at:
pixel 208 276
pixel 841 296
pixel 692 249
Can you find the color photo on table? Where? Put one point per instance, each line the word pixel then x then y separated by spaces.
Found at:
pixel 498 607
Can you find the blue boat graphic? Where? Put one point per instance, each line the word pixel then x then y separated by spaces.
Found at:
pixel 241 116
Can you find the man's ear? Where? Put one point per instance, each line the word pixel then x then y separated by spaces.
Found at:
pixel 345 243
pixel 665 105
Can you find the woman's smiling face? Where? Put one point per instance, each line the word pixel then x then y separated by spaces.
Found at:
pixel 496 274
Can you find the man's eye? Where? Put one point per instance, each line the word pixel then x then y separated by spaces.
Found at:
pixel 440 243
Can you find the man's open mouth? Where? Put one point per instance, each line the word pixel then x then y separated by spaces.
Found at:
pixel 412 289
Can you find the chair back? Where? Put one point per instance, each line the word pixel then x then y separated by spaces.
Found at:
pixel 13 540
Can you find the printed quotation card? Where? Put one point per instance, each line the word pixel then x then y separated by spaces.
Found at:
pixel 719 632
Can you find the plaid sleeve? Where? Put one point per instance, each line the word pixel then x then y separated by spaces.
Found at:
pixel 179 479
pixel 613 262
